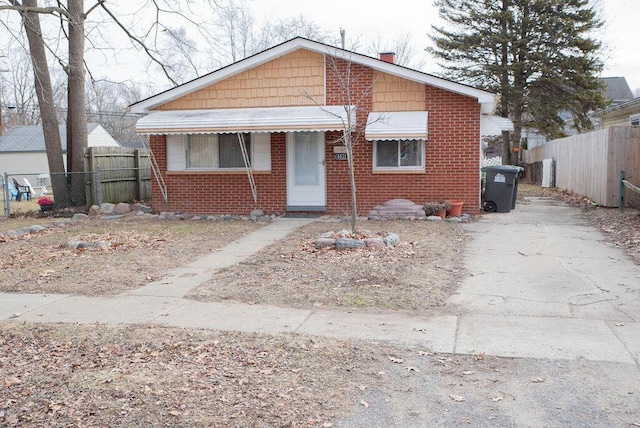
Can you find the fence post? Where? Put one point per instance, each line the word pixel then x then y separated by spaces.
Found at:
pixel 623 190
pixel 137 174
pixel 7 197
pixel 98 186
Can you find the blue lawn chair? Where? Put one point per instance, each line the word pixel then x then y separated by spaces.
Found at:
pixel 24 192
pixel 14 193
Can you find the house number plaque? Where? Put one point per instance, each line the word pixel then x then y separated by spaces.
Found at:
pixel 341 156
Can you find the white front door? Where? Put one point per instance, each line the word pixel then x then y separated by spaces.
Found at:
pixel 306 173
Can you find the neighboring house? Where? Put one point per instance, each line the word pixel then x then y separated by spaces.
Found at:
pixel 617 91
pixel 623 114
pixel 22 148
pixel 417 135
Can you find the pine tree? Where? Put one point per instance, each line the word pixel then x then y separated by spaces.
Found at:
pixel 539 55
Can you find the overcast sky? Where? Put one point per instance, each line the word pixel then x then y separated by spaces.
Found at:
pixel 367 20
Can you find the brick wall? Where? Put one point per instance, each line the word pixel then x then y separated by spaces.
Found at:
pixel 214 193
pixel 452 161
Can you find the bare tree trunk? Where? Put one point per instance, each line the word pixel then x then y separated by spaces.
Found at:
pixel 352 177
pixel 44 91
pixel 77 112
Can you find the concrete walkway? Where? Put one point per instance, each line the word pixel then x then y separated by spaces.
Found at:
pixel 542 284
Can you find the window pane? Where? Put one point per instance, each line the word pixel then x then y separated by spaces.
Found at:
pixel 201 152
pixel 410 153
pixel 386 153
pixel 306 154
pixel 230 151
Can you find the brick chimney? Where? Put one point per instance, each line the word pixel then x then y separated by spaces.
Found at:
pixel 388 57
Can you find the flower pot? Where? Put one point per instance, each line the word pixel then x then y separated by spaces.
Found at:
pixel 456 209
pixel 442 213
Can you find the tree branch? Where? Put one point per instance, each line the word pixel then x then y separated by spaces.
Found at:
pixel 140 42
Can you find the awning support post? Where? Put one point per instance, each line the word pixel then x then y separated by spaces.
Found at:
pixel 249 168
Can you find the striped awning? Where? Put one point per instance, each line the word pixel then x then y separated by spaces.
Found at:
pixel 269 119
pixel 397 125
pixel 492 126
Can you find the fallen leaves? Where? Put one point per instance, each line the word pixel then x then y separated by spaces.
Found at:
pixel 12 381
pixel 154 376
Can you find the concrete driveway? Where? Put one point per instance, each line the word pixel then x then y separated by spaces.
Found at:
pixel 544 284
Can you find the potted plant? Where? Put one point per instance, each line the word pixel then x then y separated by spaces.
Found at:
pixel 45 203
pixel 436 208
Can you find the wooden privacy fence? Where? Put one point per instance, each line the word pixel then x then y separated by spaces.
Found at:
pixel 121 174
pixel 590 164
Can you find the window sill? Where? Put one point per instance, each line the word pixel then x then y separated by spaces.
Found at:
pixel 215 172
pixel 399 171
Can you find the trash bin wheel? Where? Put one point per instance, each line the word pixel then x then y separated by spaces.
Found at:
pixel 490 206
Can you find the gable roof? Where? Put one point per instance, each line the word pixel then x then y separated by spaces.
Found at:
pixel 31 138
pixel 631 107
pixel 616 89
pixel 486 99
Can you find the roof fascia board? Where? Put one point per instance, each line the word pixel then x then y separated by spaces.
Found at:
pixel 487 99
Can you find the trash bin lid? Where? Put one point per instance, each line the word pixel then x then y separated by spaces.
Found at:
pixel 502 168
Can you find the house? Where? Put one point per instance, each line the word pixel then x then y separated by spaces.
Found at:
pixel 616 91
pixel 622 114
pixel 22 148
pixel 416 136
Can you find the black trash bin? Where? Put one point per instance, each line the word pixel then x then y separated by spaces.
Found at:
pixel 501 187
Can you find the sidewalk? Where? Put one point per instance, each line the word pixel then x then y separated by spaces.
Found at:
pixel 542 284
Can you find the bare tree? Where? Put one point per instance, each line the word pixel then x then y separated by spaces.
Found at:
pixel 354 86
pixel 402 46
pixel 107 105
pixel 44 91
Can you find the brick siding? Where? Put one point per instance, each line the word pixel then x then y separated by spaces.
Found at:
pixel 452 162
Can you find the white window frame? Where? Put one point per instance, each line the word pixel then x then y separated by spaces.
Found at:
pixel 420 167
pixel 634 118
pixel 214 140
pixel 177 154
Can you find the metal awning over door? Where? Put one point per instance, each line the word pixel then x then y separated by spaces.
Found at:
pixel 220 121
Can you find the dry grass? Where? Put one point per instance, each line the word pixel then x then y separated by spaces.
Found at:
pixel 133 252
pixel 419 274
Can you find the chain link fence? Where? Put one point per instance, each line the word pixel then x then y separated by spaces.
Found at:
pixel 23 193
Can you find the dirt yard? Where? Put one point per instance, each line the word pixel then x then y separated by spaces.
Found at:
pixel 141 376
pixel 418 274
pixel 132 252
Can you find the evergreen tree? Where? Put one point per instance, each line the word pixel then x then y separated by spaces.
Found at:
pixel 539 55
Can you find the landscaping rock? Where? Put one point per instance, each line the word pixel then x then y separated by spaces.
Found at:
pixel 347 243
pixel 35 228
pixel 122 208
pixel 398 208
pixel 107 208
pixel 434 218
pixel 79 216
pixel 325 243
pixel 374 242
pixel 137 207
pixel 327 235
pixel 391 240
pixel 256 213
pixel 19 232
pixel 72 245
pixel 95 211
